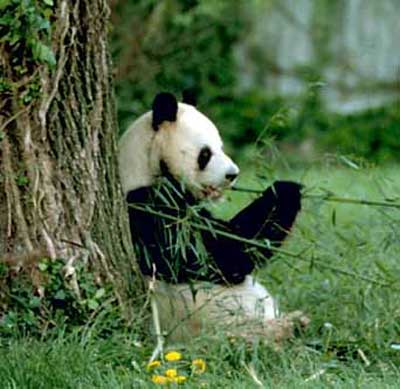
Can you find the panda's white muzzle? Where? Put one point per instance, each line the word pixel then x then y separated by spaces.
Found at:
pixel 223 180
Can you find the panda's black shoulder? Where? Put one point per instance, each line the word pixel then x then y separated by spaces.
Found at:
pixel 140 195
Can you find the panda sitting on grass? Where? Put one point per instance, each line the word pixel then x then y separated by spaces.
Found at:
pixel 200 267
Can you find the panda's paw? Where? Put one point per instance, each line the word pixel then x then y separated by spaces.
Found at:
pixel 283 328
pixel 285 190
pixel 298 318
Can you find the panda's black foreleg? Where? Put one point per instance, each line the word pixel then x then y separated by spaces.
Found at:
pixel 270 216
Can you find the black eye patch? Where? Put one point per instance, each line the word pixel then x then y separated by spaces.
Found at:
pixel 204 157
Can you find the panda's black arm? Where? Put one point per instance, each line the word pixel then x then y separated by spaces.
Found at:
pixel 230 256
pixel 270 216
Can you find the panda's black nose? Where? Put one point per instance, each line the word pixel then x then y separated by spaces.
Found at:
pixel 231 176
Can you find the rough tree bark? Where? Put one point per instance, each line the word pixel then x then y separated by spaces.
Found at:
pixel 59 188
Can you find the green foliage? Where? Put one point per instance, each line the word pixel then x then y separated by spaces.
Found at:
pixel 39 299
pixel 173 45
pixel 30 92
pixel 22 180
pixel 25 41
pixel 372 134
pixel 25 30
pixel 244 118
pixel 4 85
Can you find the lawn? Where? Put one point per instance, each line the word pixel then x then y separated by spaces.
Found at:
pixel 344 275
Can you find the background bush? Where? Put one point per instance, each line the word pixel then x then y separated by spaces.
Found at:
pixel 178 44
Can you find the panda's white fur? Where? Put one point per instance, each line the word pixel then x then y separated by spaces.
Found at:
pixel 188 309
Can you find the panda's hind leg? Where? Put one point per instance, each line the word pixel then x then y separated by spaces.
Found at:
pixel 273 331
pixel 250 312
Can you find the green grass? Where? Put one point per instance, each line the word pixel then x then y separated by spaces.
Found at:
pixel 354 321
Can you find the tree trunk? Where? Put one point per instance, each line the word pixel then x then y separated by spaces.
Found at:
pixel 59 190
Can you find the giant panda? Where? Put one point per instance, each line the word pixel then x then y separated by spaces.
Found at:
pixel 171 162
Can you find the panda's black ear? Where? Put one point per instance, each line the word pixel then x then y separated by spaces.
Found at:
pixel 189 96
pixel 165 108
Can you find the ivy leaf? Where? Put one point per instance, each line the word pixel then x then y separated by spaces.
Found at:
pixel 43 53
pixel 22 180
pixel 92 304
pixel 42 23
pixel 34 302
pixel 60 295
pixel 4 3
pixel 99 293
pixel 7 20
pixel 42 266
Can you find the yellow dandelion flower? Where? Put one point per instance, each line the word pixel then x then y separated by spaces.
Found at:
pixel 199 366
pixel 159 379
pixel 171 373
pixel 180 379
pixel 173 356
pixel 153 364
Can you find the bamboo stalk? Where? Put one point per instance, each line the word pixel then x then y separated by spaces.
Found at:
pixel 332 198
pixel 347 200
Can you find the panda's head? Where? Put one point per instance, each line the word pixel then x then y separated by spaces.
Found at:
pixel 178 138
